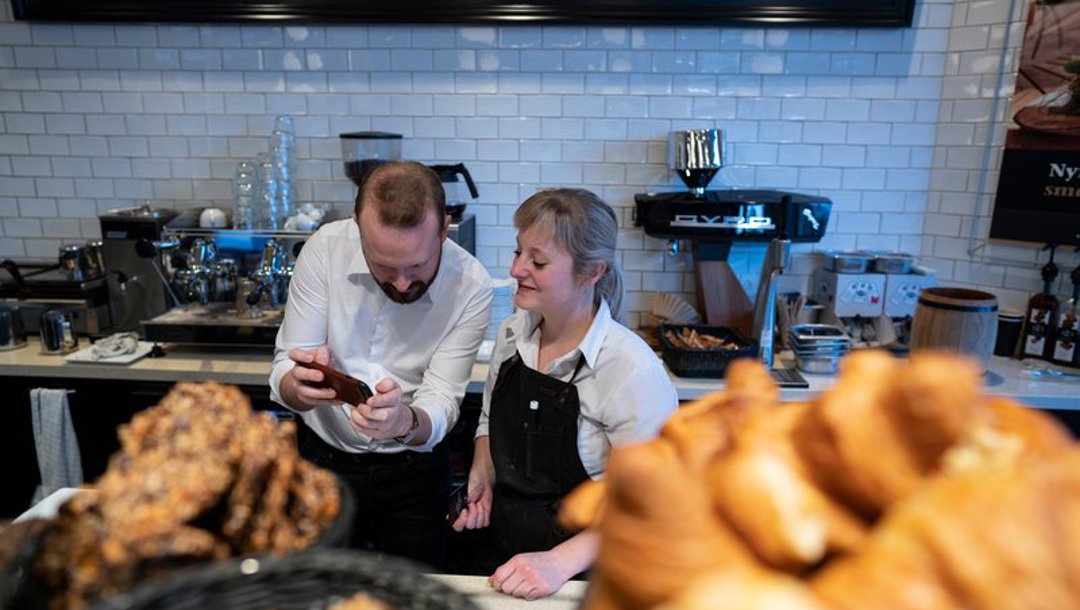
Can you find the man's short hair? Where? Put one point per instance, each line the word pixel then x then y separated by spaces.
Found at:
pixel 403 192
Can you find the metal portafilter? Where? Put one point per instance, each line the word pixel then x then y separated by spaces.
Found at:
pixel 696 155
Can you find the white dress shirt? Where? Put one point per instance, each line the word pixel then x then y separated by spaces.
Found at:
pixel 428 347
pixel 624 391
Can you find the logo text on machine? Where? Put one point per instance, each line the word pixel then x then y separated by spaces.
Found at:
pixel 704 221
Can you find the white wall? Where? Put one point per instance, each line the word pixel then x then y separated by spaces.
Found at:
pixel 882 121
pixel 980 74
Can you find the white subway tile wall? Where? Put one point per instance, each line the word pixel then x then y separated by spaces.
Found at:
pixel 899 127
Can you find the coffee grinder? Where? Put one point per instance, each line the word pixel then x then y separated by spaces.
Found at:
pixel 363 151
pixel 136 285
pixel 713 219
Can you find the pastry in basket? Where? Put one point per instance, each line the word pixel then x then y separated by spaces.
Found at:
pixel 198 478
pixel 901 488
pixel 361 601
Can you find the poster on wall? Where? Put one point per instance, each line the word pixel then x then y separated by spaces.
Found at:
pixel 1038 194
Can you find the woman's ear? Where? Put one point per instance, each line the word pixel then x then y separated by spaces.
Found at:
pixel 598 271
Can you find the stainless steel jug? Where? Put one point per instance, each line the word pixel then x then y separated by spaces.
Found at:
pixel 11 328
pixel 58 332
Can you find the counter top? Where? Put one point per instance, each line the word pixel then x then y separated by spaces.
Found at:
pixel 476 587
pixel 251 366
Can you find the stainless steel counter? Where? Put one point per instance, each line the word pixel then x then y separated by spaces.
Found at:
pixel 251 366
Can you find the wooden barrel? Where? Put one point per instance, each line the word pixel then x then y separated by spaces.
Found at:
pixel 958 320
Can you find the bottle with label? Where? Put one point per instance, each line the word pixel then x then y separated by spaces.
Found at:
pixel 1041 318
pixel 1068 326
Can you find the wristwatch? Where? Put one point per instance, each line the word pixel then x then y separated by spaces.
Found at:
pixel 411 433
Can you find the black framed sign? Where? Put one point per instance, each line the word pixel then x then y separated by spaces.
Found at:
pixel 884 13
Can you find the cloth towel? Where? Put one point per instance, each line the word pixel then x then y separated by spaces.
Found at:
pixel 112 346
pixel 55 442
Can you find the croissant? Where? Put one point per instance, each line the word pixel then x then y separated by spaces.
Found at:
pixel 746 589
pixel 584 506
pixel 653 502
pixel 901 488
pixel 763 491
pixel 993 539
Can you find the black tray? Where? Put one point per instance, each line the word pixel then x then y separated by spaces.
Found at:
pixel 704 363
pixel 309 580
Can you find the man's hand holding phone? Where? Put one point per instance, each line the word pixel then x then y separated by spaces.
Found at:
pixel 347 389
pixel 313 383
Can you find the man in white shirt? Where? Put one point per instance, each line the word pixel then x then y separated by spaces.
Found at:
pixel 386 298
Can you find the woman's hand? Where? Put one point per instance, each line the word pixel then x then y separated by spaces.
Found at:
pixel 477 512
pixel 530 575
pixel 536 575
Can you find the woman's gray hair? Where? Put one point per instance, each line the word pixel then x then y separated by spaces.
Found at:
pixel 587 228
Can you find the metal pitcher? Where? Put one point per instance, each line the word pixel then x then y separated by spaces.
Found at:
pixel 58 332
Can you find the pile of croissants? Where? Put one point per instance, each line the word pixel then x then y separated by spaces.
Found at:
pixel 900 488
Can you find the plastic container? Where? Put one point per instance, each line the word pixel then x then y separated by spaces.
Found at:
pixel 819 365
pixel 704 363
pixel 846 262
pixel 896 263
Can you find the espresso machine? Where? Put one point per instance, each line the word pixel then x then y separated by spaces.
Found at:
pixel 136 290
pixel 227 287
pixel 76 287
pixel 714 219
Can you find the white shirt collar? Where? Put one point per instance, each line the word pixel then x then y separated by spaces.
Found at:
pixel 528 339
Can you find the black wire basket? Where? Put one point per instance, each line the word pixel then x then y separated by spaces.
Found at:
pixel 310 580
pixel 704 363
pixel 19 590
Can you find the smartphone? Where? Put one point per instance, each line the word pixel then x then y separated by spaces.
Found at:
pixel 348 389
pixel 459 498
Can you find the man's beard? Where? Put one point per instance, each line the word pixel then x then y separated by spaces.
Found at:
pixel 413 293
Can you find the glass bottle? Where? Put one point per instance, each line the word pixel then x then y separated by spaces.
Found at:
pixel 245 196
pixel 1068 326
pixel 1041 319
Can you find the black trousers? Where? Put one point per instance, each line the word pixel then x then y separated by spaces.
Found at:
pixel 401 498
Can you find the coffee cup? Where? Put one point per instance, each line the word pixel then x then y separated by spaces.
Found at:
pixel 213 218
pixel 1009 324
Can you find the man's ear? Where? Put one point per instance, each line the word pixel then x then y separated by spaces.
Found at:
pixel 445 231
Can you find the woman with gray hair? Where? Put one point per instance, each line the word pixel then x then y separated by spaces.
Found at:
pixel 567 382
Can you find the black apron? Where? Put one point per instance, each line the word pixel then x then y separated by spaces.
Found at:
pixel 533 430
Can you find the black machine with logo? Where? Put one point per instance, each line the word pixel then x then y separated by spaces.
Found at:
pixel 735 214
